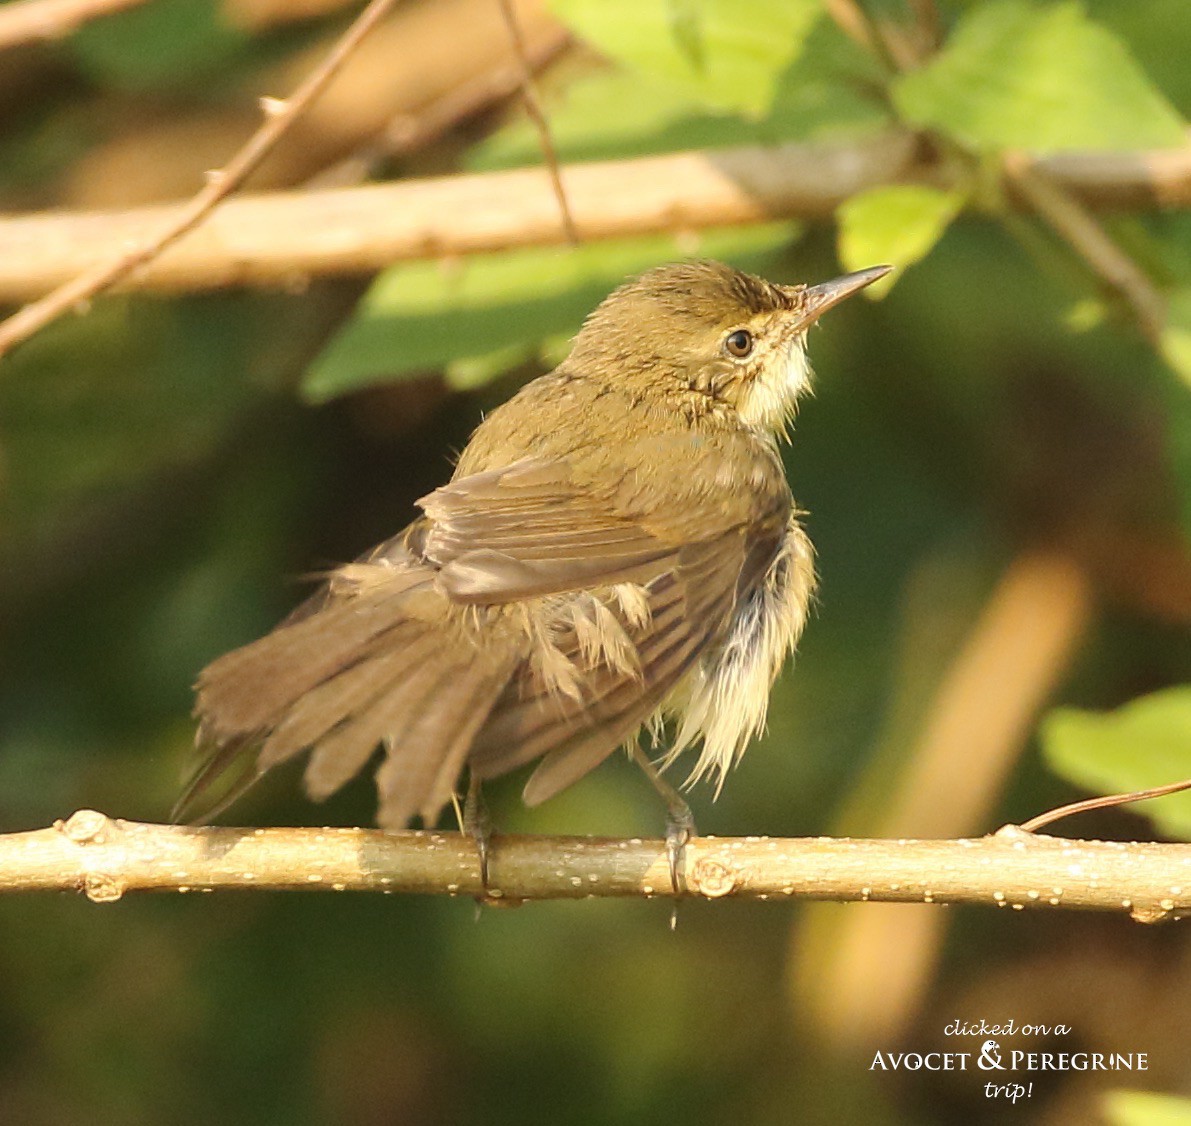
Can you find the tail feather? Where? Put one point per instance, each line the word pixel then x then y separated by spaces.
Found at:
pixel 420 769
pixel 249 689
pixel 314 714
pixel 349 745
pixel 204 776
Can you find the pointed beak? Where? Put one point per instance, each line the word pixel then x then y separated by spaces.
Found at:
pixel 815 300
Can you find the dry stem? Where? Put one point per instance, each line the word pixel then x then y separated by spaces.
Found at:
pixel 533 105
pixel 105 858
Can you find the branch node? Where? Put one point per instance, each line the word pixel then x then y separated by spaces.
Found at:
pixel 100 887
pixel 86 826
pixel 713 877
pixel 273 107
pixel 1161 912
pixel 1015 834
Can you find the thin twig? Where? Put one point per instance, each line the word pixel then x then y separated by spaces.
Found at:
pixel 1079 228
pixel 853 21
pixel 27 21
pixel 105 858
pixel 279 116
pixel 1106 801
pixel 411 131
pixel 533 104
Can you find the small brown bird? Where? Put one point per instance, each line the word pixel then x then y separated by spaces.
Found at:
pixel 618 546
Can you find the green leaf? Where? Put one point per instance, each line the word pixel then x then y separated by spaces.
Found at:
pixel 495 310
pixel 1175 342
pixel 899 224
pixel 621 114
pixel 1039 77
pixel 725 53
pixel 611 115
pixel 1146 1108
pixel 1145 743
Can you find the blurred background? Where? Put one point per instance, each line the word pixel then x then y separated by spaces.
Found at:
pixel 996 466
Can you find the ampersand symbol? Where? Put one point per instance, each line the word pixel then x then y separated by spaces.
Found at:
pixel 990 1056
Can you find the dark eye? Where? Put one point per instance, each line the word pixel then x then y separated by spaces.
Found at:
pixel 739 343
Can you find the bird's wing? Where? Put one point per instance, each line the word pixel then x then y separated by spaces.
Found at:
pixel 379 655
pixel 575 721
pixel 607 658
pixel 531 529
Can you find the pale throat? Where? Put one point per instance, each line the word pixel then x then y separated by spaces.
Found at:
pixel 774 394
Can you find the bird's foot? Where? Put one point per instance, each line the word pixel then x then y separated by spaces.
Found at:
pixel 680 828
pixel 680 822
pixel 478 825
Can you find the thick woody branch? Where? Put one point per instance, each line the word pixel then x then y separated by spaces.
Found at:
pixel 105 858
pixel 287 237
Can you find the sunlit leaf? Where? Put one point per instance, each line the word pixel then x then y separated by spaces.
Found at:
pixel 1038 77
pixel 727 53
pixel 500 307
pixel 1145 743
pixel 623 114
pixel 898 224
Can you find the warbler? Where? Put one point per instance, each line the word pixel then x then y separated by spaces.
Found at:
pixel 618 547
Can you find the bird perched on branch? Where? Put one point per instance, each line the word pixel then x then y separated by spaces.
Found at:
pixel 618 546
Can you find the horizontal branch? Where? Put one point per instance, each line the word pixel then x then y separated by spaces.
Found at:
pixel 105 858
pixel 284 238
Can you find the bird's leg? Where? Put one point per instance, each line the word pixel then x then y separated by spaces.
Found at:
pixel 478 826
pixel 680 822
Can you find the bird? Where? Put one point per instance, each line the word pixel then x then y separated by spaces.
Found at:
pixel 618 551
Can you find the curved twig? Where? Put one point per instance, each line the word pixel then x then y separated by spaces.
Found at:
pixel 1105 801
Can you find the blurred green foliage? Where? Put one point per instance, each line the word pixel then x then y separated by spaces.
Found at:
pixel 1142 1108
pixel 171 467
pixel 1043 77
pixel 727 53
pixel 503 308
pixel 1145 743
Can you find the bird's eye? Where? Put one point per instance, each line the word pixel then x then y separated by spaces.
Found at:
pixel 739 343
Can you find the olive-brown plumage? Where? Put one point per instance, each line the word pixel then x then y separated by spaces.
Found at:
pixel 618 544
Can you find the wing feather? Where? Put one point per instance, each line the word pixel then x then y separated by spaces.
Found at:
pixel 689 607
